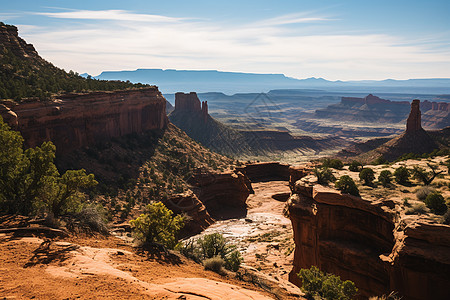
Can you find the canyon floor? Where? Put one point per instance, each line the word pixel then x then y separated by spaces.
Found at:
pixel 264 236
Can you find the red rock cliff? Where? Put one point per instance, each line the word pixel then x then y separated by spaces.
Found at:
pixel 78 120
pixel 366 242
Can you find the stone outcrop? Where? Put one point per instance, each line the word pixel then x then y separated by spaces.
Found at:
pixel 366 242
pixel 188 203
pixel 221 192
pixel 78 120
pixel 414 121
pixel 265 171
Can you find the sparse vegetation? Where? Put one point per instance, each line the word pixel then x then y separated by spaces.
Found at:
pixel 326 286
pixel 367 175
pixel 324 176
pixel 423 192
pixel 424 176
pixel 332 163
pixel 157 226
pixel 417 209
pixel 214 264
pixel 355 166
pixel 385 178
pixel 435 201
pixel 212 246
pixel 347 185
pixel 401 175
pixel 380 160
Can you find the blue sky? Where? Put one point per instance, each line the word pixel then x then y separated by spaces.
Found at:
pixel 346 40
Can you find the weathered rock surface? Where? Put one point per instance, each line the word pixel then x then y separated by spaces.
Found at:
pixel 78 120
pixel 221 192
pixel 10 39
pixel 188 203
pixel 362 241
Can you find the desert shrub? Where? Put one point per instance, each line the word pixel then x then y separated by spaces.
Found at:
pixel 324 176
pixel 214 264
pixel 347 185
pixel 423 192
pixel 233 261
pixel 213 245
pixel 447 163
pixel 316 283
pixel 355 166
pixel 333 163
pixel 385 178
pixel 401 175
pixel 157 226
pixel 391 296
pixel 424 176
pixel 89 218
pixel 367 175
pixel 435 201
pixel 417 209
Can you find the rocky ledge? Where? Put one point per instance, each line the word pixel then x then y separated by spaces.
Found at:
pixel 369 243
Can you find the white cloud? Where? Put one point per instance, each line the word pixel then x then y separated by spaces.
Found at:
pixel 264 46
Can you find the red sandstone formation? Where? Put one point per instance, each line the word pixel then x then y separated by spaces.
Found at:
pixel 219 191
pixel 414 122
pixel 364 241
pixel 199 218
pixel 191 103
pixel 78 120
pixel 187 102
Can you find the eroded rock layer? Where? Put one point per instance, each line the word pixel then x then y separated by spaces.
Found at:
pixel 366 242
pixel 78 120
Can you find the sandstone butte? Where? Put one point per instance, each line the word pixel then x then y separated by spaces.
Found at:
pixel 191 103
pixel 77 120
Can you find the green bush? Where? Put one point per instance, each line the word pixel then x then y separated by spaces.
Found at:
pixel 324 176
pixel 333 163
pixel 213 245
pixel 401 175
pixel 367 175
pixel 435 201
pixel 157 226
pixel 424 176
pixel 385 178
pixel 347 185
pixel 30 181
pixel 355 166
pixel 328 286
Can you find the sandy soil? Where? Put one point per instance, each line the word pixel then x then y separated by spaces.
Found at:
pixel 100 268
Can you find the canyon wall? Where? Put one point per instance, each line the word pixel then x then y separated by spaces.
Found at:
pixel 367 242
pixel 190 103
pixel 77 120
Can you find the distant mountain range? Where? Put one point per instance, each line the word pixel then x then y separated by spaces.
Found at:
pixel 170 81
